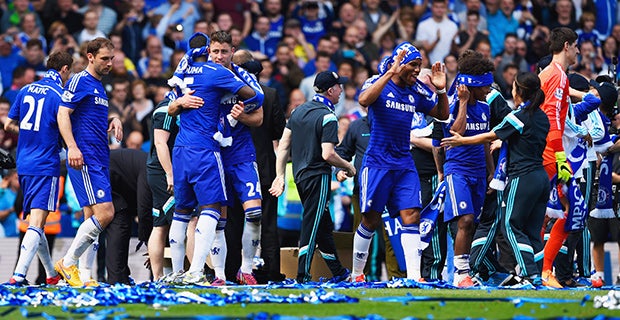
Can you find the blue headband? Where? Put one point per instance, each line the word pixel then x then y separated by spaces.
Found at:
pixel 197 52
pixel 475 80
pixel 186 60
pixel 470 81
pixel 412 54
pixel 384 65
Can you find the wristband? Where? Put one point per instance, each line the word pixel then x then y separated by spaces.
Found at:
pixel 442 91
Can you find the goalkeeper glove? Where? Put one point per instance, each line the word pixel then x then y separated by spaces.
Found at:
pixel 564 170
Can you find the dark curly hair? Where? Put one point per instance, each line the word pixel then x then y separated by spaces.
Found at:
pixel 474 63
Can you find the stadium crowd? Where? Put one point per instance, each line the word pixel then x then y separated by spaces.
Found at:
pixel 467 56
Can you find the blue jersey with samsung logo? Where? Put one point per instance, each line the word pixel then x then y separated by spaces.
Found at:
pixel 242 148
pixel 89 120
pixel 211 82
pixel 390 118
pixel 35 107
pixel 468 160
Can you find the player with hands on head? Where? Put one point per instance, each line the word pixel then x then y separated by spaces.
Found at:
pixel 527 190
pixel 389 177
pixel 467 168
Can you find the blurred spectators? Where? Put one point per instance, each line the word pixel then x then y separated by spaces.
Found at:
pixel 130 27
pixel 238 12
pixel 90 31
pixel 22 75
pixel 8 192
pixel 562 16
pixel 500 22
pixel 296 98
pixel 134 140
pixel 119 97
pixel 13 16
pixel 107 17
pixel 154 49
pixel 8 60
pixel 261 39
pixel 273 11
pixel 8 140
pixel 285 70
pixel 295 38
pixel 470 34
pixel 138 113
pixel 589 63
pixel 436 33
pixel 373 15
pixel 64 11
pixel 266 78
pixel 30 30
pixel 346 16
pixel 315 18
pixel 35 57
pixel 178 12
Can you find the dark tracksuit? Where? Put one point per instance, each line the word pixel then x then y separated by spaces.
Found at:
pixel 482 258
pixel 312 124
pixel 525 198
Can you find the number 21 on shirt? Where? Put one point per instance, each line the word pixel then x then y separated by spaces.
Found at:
pixel 33 105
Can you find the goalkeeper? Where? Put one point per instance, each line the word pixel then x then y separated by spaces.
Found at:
pixel 563 45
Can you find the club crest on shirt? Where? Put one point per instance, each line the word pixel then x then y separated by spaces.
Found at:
pixel 100 193
pixel 558 93
pixel 484 116
pixel 463 205
pixel 411 99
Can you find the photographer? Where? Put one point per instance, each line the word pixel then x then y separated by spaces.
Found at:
pixel 62 40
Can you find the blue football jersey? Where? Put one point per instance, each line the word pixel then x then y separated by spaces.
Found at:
pixel 211 82
pixel 468 160
pixel 390 118
pixel 87 97
pixel 35 107
pixel 242 148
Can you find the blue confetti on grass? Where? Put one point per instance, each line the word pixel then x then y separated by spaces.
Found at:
pixel 47 316
pixel 585 299
pixel 158 295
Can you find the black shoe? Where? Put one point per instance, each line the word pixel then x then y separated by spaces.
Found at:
pixel 511 280
pixel 618 280
pixel 303 278
pixel 571 283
